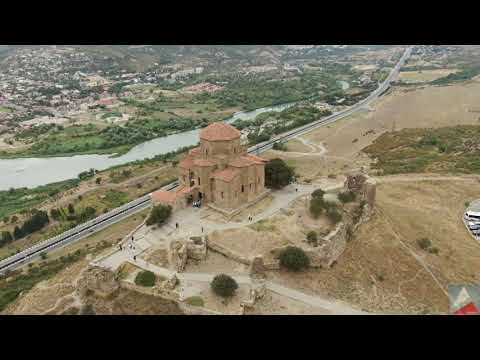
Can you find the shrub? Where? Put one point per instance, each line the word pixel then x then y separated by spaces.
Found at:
pixel 346 196
pixel 159 214
pixel 278 174
pixel 318 193
pixel 316 207
pixel 467 204
pixel 43 255
pixel 224 285
pixel 334 216
pixel 294 259
pixel 145 278
pixel 194 301
pixel 279 146
pixel 98 180
pixel 424 243
pixel 71 209
pixel 433 250
pixel 312 237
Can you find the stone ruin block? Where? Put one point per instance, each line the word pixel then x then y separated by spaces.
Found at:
pixel 197 247
pixel 355 182
pixel 178 255
pixel 100 281
pixel 257 267
pixel 171 282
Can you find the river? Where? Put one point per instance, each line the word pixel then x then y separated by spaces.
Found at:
pixel 31 172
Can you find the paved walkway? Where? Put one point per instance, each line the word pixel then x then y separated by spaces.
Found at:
pixel 190 222
pixel 327 306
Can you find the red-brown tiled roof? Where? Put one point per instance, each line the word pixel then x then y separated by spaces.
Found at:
pixel 187 162
pixel 186 189
pixel 163 196
pixel 203 162
pixel 227 174
pixel 241 162
pixel 219 131
pixel 256 159
pixel 195 151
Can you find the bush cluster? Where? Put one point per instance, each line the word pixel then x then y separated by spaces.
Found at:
pixel 278 174
pixel 224 285
pixel 145 278
pixel 159 214
pixel 294 259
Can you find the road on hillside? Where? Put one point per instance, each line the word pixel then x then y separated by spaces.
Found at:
pixel 84 230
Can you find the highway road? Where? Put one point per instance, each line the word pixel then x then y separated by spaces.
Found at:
pixel 84 230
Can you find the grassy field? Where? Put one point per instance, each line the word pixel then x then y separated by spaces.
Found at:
pixel 5 109
pixel 378 270
pixel 442 150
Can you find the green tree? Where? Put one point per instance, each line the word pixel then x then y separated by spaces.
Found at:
pixel 145 278
pixel 159 214
pixel 317 205
pixel 17 233
pixel 318 193
pixel 294 259
pixel 6 237
pixel 346 196
pixel 312 237
pixel 224 285
pixel 71 209
pixel 278 174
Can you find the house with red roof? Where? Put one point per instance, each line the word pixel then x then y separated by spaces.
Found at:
pixel 218 172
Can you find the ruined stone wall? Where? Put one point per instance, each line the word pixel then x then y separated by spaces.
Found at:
pixel 154 291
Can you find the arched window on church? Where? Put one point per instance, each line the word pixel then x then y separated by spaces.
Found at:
pixel 243 189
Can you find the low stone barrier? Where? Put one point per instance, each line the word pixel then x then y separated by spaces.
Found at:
pixel 154 291
pixel 228 253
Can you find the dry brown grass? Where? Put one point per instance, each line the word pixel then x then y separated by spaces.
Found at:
pixel 378 273
pixel 425 75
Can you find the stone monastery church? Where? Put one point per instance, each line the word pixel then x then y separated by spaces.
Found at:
pixel 219 172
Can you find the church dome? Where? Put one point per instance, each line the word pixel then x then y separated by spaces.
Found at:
pixel 219 131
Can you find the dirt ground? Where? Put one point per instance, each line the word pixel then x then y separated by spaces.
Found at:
pixel 288 227
pixel 384 270
pixel 274 304
pixel 418 107
pixel 424 75
pixel 216 263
